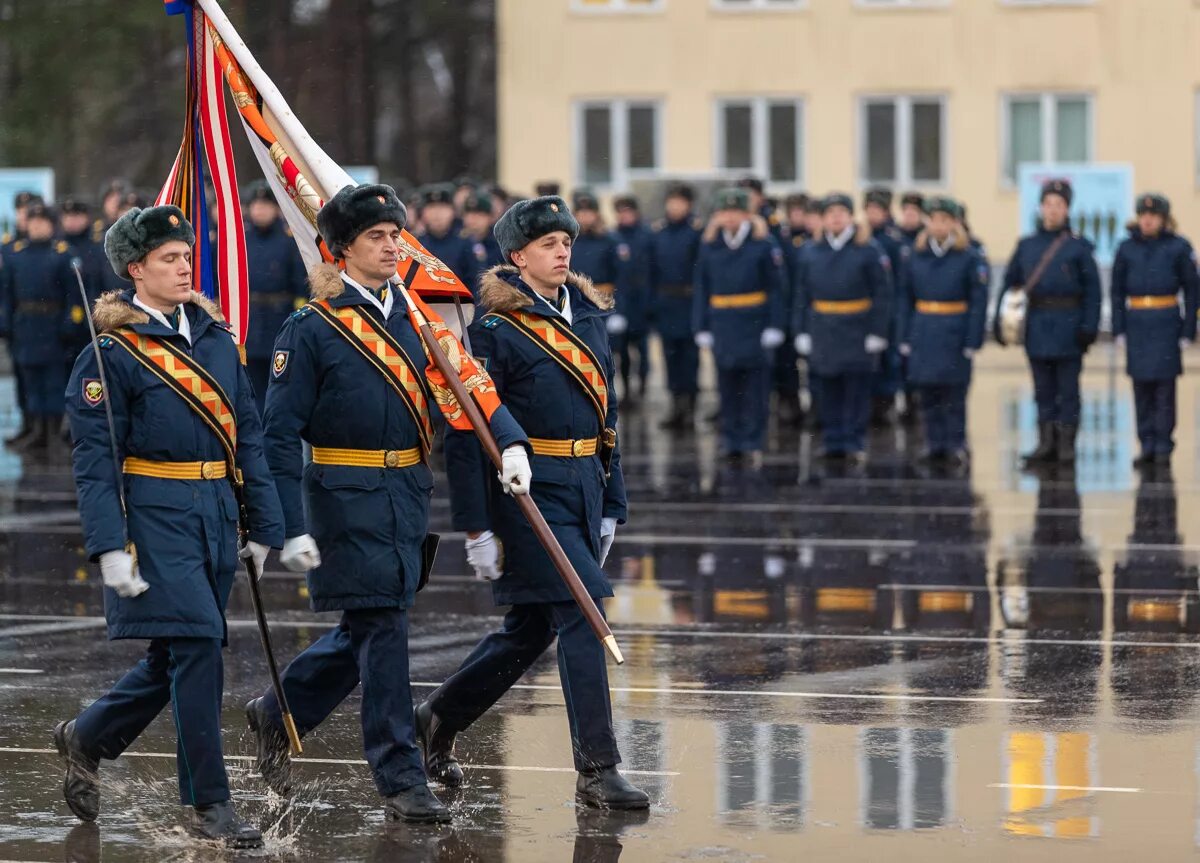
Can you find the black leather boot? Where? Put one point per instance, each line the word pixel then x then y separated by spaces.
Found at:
pixel 417 804
pixel 1066 443
pixel 437 747
pixel 606 788
pixel 35 440
pixel 274 758
pixel 1047 447
pixel 674 420
pixel 219 822
pixel 23 432
pixel 81 788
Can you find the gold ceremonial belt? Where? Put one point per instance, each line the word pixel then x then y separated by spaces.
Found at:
pixel 389 458
pixel 939 307
pixel 175 469
pixel 564 448
pixel 738 301
pixel 1160 301
pixel 842 307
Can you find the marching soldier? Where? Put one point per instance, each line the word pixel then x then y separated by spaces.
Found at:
pixel 1153 270
pixel 567 401
pixel 942 296
pixel 594 252
pixel 842 314
pixel 168 560
pixel 442 236
pixel 477 230
pixel 889 378
pixel 37 285
pixel 278 283
pixel 912 216
pixel 348 378
pixel 676 249
pixel 1057 271
pixel 738 313
pixel 629 325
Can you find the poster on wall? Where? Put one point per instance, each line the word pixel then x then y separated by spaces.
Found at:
pixel 1103 200
pixel 14 180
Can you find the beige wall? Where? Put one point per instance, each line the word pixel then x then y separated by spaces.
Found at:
pixel 1136 57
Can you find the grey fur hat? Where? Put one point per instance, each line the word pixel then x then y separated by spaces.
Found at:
pixel 139 232
pixel 527 220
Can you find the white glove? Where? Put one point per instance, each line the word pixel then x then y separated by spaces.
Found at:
pixel 704 340
pixel 1119 343
pixel 1184 344
pixel 300 554
pixel 617 324
pixel 969 353
pixel 803 344
pixel 483 555
pixel 875 344
pixel 608 532
pixel 119 573
pixel 515 474
pixel 256 552
pixel 771 338
pixel 905 350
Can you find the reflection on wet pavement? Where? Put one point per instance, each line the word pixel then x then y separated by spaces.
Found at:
pixel 893 662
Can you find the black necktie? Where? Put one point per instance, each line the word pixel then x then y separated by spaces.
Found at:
pixel 173 318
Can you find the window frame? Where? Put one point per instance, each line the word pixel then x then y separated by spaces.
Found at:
pixel 760 139
pixel 903 104
pixel 890 5
pixel 769 6
pixel 618 7
pixel 621 174
pixel 1048 116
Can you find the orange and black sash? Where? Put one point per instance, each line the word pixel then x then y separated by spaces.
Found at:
pixel 568 350
pixel 388 357
pixel 189 380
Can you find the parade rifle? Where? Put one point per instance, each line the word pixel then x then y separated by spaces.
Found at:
pixel 303 177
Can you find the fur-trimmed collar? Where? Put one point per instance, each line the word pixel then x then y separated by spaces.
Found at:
pixel 960 240
pixel 325 282
pixel 498 294
pixel 758 229
pixel 1169 227
pixel 112 311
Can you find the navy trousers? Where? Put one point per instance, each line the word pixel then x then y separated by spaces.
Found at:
pixel 43 386
pixel 1154 402
pixel 187 672
pixel 844 407
pixel 683 363
pixel 1056 389
pixel 743 408
pixel 944 411
pixel 785 376
pixel 501 658
pixel 888 378
pixel 621 353
pixel 369 645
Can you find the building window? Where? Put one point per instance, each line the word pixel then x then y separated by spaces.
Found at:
pixel 1047 2
pixel 889 4
pixel 902 140
pixel 762 136
pixel 748 5
pixel 1046 127
pixel 616 141
pixel 617 5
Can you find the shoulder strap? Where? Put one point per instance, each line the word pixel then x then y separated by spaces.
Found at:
pixel 190 381
pixel 566 349
pixel 387 356
pixel 1047 257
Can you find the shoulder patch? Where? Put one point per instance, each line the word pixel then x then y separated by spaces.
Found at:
pixel 92 392
pixel 61 247
pixel 18 245
pixel 482 362
pixel 623 251
pixel 885 262
pixel 5 238
pixel 279 363
pixel 777 256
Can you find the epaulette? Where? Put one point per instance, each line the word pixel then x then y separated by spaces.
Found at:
pixel 61 247
pixel 19 245
pixel 773 219
pixel 490 322
pixel 105 342
pixel 97 231
pixel 225 325
pixel 5 238
pixel 302 312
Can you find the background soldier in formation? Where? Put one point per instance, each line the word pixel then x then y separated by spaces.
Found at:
pixel 676 250
pixel 888 380
pixel 442 235
pixel 629 325
pixel 85 242
pixel 1057 270
pixel 166 538
pixel 1152 271
pixel 477 230
pixel 594 252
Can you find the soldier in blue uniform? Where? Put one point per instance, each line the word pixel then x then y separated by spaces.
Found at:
pixel 36 287
pixel 1153 271
pixel 676 250
pixel 912 216
pixel 942 296
pixel 86 246
pixel 278 283
pixel 168 561
pixel 442 235
pixel 357 515
pixel 21 203
pixel 570 408
pixel 738 313
pixel 842 314
pixel 762 206
pixel 1062 321
pixel 889 378
pixel 594 252
pixel 629 325
pixel 477 230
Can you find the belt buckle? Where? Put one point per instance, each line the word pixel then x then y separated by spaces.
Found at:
pixel 208 470
pixel 577 448
pixel 391 458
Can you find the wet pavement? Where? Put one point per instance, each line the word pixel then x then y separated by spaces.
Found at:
pixel 893 662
